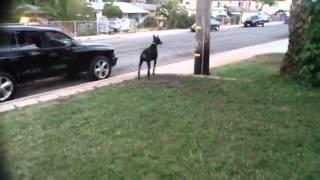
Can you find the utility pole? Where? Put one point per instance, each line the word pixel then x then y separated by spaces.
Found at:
pixel 202 52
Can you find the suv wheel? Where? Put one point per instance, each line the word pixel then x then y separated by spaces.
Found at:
pixel 7 86
pixel 100 68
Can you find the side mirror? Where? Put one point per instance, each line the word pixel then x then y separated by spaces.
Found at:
pixel 70 43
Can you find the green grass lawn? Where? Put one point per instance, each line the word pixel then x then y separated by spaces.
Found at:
pixel 261 126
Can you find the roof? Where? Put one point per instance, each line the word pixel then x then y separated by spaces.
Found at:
pixel 147 7
pixel 128 8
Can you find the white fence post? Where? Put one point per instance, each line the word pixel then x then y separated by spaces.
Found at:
pixel 75 28
pixel 97 26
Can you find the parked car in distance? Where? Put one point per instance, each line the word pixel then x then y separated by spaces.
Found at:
pixel 282 12
pixel 214 25
pixel 254 21
pixel 115 26
pixel 223 19
pixel 28 53
pixel 264 16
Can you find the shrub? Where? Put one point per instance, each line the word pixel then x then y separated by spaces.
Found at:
pixel 176 15
pixel 150 22
pixel 181 20
pixel 235 19
pixel 308 63
pixel 112 11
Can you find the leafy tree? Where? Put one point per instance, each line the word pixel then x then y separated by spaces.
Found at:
pixel 112 11
pixel 181 20
pixel 168 8
pixel 58 9
pixel 261 3
pixel 176 15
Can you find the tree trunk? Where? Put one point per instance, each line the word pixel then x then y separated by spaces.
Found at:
pixel 261 7
pixel 297 28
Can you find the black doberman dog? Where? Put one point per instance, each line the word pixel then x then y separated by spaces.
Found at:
pixel 150 54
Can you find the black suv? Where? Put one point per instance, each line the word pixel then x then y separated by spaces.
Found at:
pixel 29 53
pixel 254 21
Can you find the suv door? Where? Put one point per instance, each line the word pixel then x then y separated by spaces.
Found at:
pixel 58 48
pixel 31 61
pixel 8 52
pixel 8 60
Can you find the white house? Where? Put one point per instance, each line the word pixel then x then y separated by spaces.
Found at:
pixel 129 10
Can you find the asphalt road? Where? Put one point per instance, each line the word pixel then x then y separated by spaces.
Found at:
pixel 177 47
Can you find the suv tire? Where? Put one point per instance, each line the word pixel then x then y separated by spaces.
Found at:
pixel 7 86
pixel 100 68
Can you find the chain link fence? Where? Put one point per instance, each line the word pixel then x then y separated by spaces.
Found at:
pixel 91 28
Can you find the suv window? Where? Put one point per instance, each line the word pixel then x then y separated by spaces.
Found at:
pixel 29 40
pixel 254 17
pixel 7 41
pixel 57 39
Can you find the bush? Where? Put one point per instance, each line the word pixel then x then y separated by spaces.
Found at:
pixel 181 20
pixel 150 22
pixel 176 15
pixel 235 19
pixel 112 11
pixel 308 63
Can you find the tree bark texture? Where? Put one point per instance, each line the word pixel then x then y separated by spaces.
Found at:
pixel 297 37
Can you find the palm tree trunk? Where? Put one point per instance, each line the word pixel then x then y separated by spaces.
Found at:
pixel 297 28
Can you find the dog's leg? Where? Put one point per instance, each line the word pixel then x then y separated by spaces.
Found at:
pixel 148 63
pixel 154 66
pixel 140 64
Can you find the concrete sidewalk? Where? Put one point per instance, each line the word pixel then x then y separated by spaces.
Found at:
pixel 150 33
pixel 224 58
pixel 184 67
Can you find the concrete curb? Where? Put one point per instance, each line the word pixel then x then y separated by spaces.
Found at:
pixel 180 68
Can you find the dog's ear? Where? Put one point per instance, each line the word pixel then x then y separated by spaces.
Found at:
pixel 154 36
